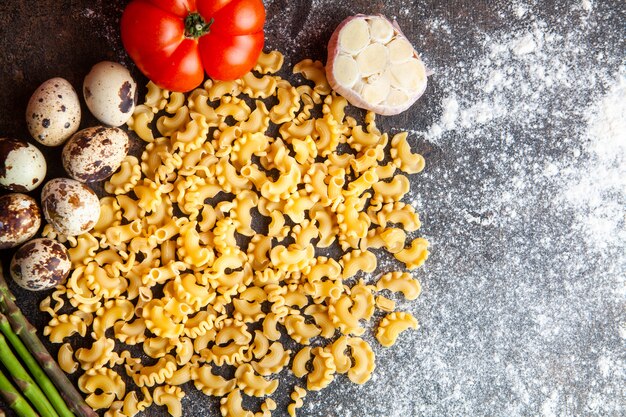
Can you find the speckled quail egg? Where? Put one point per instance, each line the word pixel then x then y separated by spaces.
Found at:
pixel 22 165
pixel 95 153
pixel 71 207
pixel 19 219
pixel 53 112
pixel 109 92
pixel 40 264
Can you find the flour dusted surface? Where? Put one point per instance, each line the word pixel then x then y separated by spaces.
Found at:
pixel 524 201
pixel 522 311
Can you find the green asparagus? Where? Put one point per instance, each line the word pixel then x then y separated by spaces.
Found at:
pixel 42 379
pixel 28 335
pixel 24 381
pixel 14 399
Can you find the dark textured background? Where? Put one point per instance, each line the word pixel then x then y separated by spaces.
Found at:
pixel 481 349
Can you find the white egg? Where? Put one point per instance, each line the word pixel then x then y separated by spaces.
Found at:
pixel 22 165
pixel 71 207
pixel 109 92
pixel 53 112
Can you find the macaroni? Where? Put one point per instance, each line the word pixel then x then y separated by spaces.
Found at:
pixel 207 252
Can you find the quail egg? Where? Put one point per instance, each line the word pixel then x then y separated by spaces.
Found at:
pixel 95 153
pixel 22 165
pixel 53 112
pixel 40 264
pixel 109 92
pixel 19 219
pixel 71 207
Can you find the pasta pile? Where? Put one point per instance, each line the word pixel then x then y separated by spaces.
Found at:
pixel 166 271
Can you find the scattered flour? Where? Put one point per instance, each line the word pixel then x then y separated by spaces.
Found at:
pixel 492 318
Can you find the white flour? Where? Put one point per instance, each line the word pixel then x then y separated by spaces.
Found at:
pixel 515 85
pixel 528 183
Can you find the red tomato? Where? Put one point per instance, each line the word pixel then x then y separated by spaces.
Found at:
pixel 173 42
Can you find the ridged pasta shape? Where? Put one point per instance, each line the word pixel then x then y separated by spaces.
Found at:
pixel 232 405
pixel 211 384
pixel 323 371
pixel 415 255
pixel 403 158
pixel 169 396
pixel 252 384
pixel 296 396
pixel 392 325
pixel 399 281
pixel 364 361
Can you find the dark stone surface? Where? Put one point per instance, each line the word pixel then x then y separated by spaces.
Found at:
pixel 522 312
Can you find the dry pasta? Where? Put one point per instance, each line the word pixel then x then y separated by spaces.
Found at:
pixel 205 255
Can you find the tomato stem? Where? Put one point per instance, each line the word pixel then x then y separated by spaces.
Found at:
pixel 196 26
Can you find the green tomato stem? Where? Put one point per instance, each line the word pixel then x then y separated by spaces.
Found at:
pixel 196 26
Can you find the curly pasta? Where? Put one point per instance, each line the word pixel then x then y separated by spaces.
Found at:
pixel 392 325
pixel 207 253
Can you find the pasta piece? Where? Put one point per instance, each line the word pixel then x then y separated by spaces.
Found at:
pixel 300 331
pixel 385 303
pixel 140 122
pixel 169 396
pixel 96 356
pixel 323 370
pixel 400 282
pixel 156 97
pixel 258 87
pixel 252 384
pixel 388 192
pixel 269 63
pixel 392 325
pixel 314 71
pixel 364 361
pixel 155 374
pixel 411 163
pixel 132 406
pixel 288 105
pixel 300 361
pixel 415 255
pixel 296 396
pixel 103 386
pixel 126 178
pixel 64 326
pixel 231 405
pixel 274 361
pixel 66 359
pixel 338 349
pixel 358 260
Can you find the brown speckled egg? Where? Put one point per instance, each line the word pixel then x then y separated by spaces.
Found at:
pixel 95 153
pixel 40 264
pixel 71 207
pixel 53 112
pixel 109 92
pixel 19 219
pixel 22 165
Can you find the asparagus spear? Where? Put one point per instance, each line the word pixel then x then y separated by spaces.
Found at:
pixel 14 399
pixel 28 334
pixel 44 382
pixel 24 381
